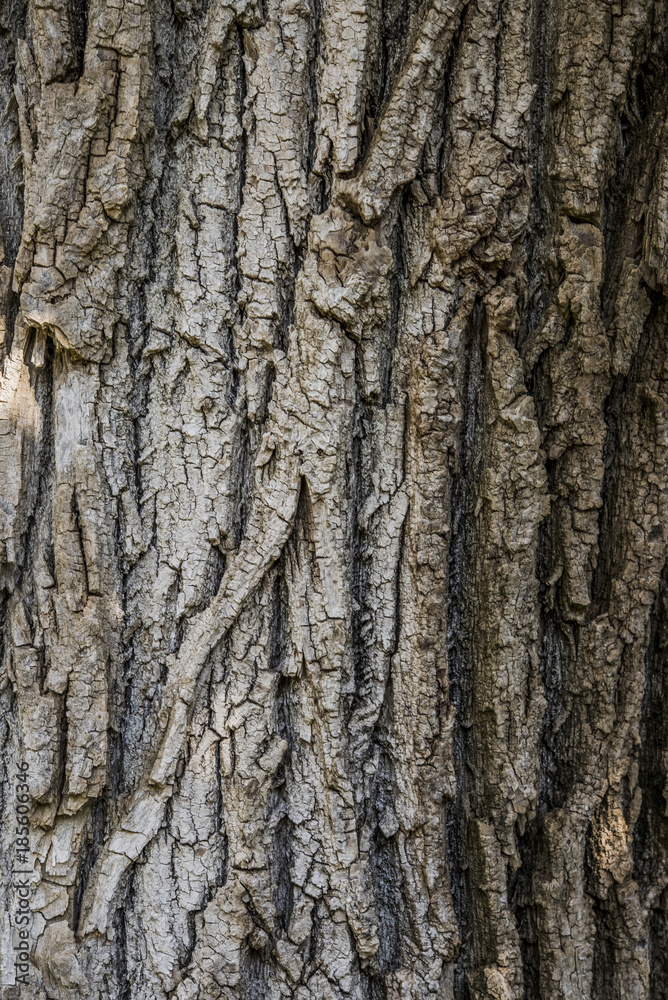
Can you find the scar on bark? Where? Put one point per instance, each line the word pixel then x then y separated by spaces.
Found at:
pixel 258 552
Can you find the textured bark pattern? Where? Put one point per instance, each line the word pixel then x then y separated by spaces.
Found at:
pixel 334 475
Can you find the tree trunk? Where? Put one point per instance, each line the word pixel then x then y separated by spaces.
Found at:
pixel 334 488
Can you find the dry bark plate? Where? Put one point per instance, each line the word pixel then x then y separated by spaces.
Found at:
pixel 333 489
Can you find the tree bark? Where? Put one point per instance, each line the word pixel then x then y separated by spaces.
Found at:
pixel 333 499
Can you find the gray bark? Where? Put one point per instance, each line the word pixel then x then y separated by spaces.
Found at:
pixel 333 499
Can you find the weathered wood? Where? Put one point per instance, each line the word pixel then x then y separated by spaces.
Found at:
pixel 333 499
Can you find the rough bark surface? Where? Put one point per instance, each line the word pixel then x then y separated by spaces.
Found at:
pixel 333 498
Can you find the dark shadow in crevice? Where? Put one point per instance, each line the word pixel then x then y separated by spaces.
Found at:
pixel 281 859
pixel 78 11
pixel 254 974
pixel 460 638
pixel 122 916
pixel 12 27
pixel 385 864
pixel 96 826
